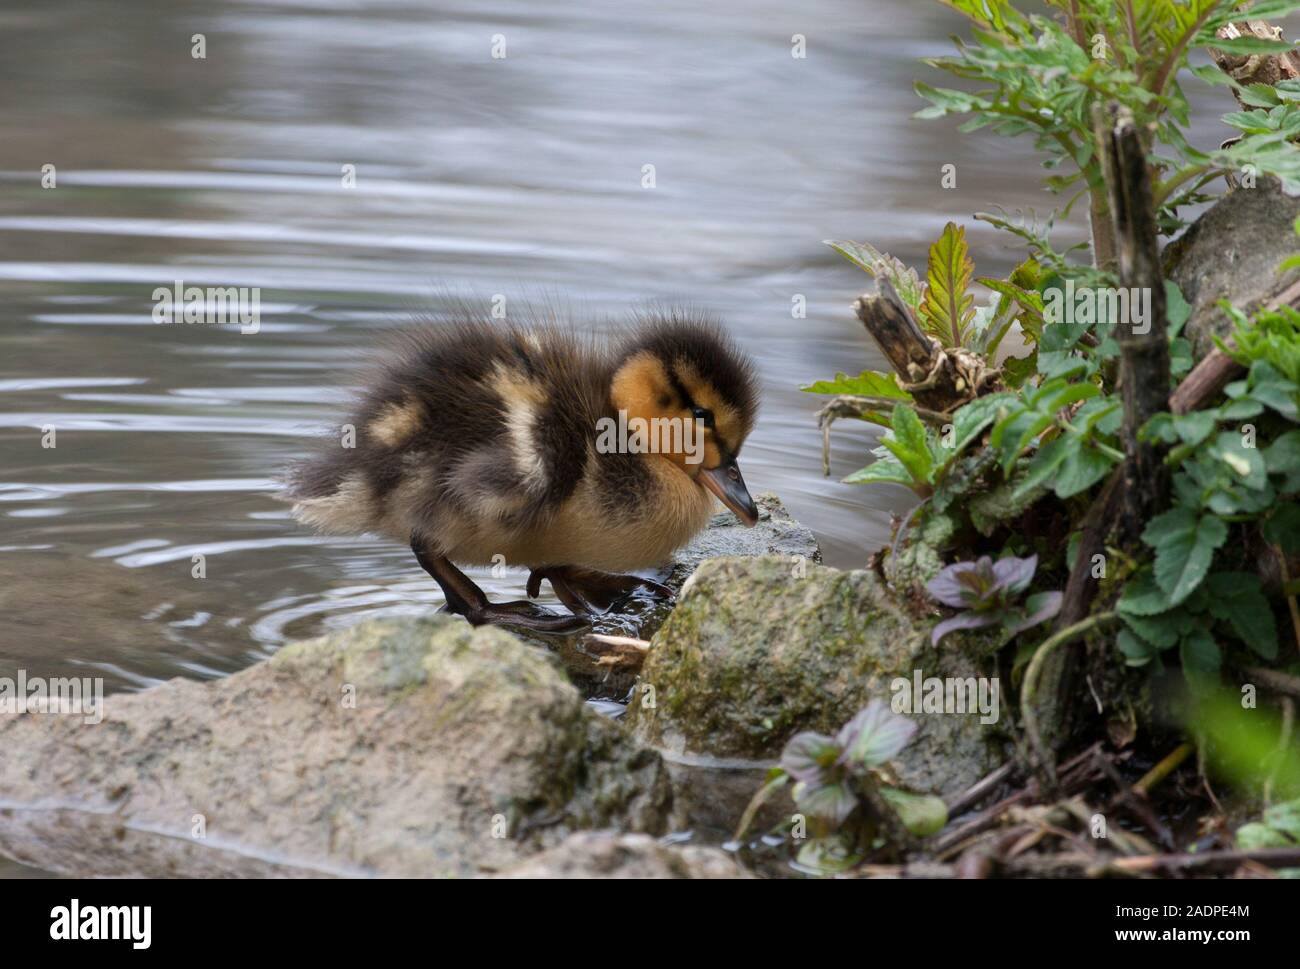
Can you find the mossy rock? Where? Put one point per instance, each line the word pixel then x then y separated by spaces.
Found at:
pixel 395 747
pixel 758 650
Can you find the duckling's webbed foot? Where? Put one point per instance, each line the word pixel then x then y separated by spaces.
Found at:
pixel 591 591
pixel 464 598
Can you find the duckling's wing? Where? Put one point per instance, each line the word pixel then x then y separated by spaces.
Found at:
pixel 471 432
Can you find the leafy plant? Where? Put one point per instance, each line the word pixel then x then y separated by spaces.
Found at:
pixel 880 265
pixel 988 592
pixel 947 307
pixel 833 775
pixel 944 305
pixel 1222 604
pixel 1081 447
pixel 1233 468
pixel 1042 76
pixel 1273 337
pixel 920 457
pixel 1222 478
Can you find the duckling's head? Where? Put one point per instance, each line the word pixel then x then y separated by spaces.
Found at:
pixel 697 395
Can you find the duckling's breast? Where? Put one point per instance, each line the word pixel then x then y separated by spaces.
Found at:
pixel 624 528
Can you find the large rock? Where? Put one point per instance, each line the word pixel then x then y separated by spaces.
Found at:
pixel 758 650
pixel 604 854
pixel 1232 252
pixel 464 752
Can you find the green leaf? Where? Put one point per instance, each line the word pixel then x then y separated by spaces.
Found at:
pixel 1137 652
pixel 1184 543
pixel 1251 45
pixel 972 419
pixel 1246 463
pixel 869 383
pixel 1161 631
pixel 1082 468
pixel 1237 599
pixel 884 470
pixel 1191 428
pixel 922 814
pixel 881 265
pixel 947 306
pixel 1283 455
pixel 1284 817
pixel 1282 528
pixel 1200 657
pixel 1255 836
pixel 909 443
pixel 1044 464
pixel 1177 309
pixel 1142 597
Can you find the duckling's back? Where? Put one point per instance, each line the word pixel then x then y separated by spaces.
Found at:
pixel 469 434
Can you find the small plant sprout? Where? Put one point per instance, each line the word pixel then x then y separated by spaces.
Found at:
pixel 837 788
pixel 987 592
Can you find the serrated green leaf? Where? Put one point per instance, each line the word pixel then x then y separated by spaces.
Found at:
pixel 947 306
pixel 1184 543
pixel 1137 652
pixel 1237 599
pixel 972 419
pixel 1161 631
pixel 1082 468
pixel 869 383
pixel 883 470
pixel 881 265
pixel 909 443
pixel 1143 597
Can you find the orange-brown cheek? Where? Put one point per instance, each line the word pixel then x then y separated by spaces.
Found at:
pixel 638 385
pixel 692 457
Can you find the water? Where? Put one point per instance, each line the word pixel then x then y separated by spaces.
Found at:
pixel 474 176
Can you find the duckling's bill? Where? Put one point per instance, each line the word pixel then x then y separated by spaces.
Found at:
pixel 728 484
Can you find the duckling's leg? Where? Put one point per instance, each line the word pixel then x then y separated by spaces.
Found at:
pixel 591 591
pixel 464 598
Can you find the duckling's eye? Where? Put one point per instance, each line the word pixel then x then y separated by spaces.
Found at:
pixel 703 414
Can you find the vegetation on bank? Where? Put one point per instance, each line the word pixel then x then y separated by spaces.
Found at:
pixel 1101 477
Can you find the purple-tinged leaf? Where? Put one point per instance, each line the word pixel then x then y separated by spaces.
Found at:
pixel 876 734
pixel 964 620
pixel 832 803
pixel 807 756
pixel 951 588
pixel 1014 575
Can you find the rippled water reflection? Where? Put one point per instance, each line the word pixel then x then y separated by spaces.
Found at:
pixel 474 176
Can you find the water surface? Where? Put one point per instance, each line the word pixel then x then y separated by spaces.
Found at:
pixel 519 175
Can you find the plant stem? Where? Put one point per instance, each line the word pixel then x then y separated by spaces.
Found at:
pixel 1029 687
pixel 1164 189
pixel 1163 769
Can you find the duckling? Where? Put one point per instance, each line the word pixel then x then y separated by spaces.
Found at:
pixel 488 443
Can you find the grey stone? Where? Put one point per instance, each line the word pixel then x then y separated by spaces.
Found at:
pixel 755 653
pixel 466 750
pixel 1232 252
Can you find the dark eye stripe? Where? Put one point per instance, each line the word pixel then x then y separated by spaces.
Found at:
pixel 679 389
